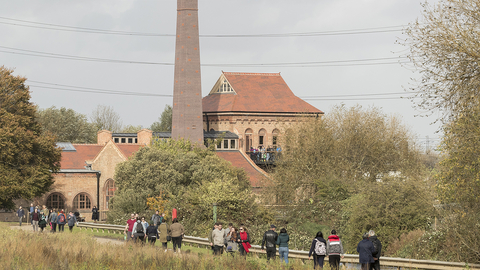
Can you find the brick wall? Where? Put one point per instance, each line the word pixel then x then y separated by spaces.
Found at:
pixel 239 124
pixel 144 136
pixel 103 136
pixel 69 185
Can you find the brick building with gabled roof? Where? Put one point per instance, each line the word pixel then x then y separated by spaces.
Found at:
pixel 86 176
pixel 258 107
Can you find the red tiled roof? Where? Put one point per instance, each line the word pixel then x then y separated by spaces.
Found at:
pixel 257 92
pixel 129 149
pixel 239 161
pixel 76 160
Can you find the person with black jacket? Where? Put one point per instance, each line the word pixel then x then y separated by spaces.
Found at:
pixel 95 214
pixel 365 250
pixel 319 250
pixel 152 233
pixel 270 240
pixel 378 250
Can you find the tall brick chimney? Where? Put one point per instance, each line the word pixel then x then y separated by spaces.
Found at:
pixel 187 120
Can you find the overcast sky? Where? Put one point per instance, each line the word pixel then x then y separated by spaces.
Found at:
pixel 37 36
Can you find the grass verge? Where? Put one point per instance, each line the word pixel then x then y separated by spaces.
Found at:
pixel 79 250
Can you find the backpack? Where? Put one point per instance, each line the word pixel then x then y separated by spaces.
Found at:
pixel 375 246
pixel 61 218
pixel 320 248
pixel 139 227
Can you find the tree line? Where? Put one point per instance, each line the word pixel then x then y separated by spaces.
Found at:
pixel 70 126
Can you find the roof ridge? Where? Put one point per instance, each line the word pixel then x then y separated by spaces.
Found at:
pixel 86 144
pixel 251 74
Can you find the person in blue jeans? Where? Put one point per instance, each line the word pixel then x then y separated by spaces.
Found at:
pixel 282 242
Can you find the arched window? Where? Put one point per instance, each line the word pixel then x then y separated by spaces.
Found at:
pixel 109 191
pixel 262 137
pixel 55 200
pixel 82 201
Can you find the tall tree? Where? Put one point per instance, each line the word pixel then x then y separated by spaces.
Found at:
pixel 27 158
pixel 444 49
pixel 191 178
pixel 67 125
pixel 165 121
pixel 326 162
pixel 131 129
pixel 105 118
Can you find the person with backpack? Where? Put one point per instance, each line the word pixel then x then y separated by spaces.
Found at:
pixel 377 245
pixel 156 218
pixel 152 233
pixel 138 231
pixel 71 219
pixel 365 250
pixel 61 220
pixel 319 250
pixel 42 223
pixel 334 250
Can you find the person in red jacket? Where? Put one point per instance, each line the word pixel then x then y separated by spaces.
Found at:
pixel 334 250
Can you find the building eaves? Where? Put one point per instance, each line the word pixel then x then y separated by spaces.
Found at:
pixel 134 135
pixel 77 171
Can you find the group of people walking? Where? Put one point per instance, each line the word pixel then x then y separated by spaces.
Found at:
pixel 139 230
pixel 230 239
pixel 320 248
pixel 40 218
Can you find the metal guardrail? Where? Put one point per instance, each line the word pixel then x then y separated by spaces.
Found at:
pixel 398 263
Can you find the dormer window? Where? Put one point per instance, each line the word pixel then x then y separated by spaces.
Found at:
pixel 224 87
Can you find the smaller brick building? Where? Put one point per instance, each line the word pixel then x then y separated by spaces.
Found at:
pixel 86 176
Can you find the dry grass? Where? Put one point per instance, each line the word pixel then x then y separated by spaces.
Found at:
pixel 26 250
pixel 406 240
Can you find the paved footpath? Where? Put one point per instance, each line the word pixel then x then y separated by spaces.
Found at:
pixel 102 240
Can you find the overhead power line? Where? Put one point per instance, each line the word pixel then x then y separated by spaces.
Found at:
pixel 352 95
pixel 351 62
pixel 72 88
pixel 82 89
pixel 59 27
